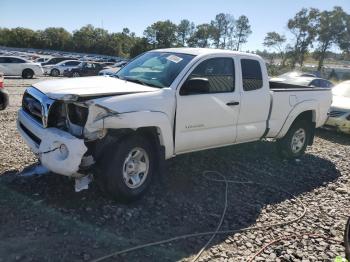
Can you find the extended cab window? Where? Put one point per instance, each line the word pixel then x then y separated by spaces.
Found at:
pixel 216 75
pixel 251 74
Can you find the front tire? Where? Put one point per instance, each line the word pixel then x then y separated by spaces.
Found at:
pixel 27 74
pixel 294 143
pixel 55 72
pixel 128 171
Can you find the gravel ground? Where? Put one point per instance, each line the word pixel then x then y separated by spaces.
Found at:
pixel 43 219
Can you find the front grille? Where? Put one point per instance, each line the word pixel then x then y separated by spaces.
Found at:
pixel 37 105
pixel 36 139
pixel 32 107
pixel 335 113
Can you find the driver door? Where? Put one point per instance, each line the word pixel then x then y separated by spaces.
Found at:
pixel 207 117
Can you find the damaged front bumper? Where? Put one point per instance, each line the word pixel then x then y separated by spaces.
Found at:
pixel 58 151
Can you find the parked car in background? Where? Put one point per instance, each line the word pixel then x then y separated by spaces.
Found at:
pixel 112 70
pixel 17 66
pixel 4 96
pixel 58 69
pixel 84 69
pixel 55 60
pixel 41 59
pixel 296 74
pixel 304 81
pixel 107 64
pixel 339 115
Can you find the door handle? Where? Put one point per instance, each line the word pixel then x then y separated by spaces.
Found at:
pixel 233 103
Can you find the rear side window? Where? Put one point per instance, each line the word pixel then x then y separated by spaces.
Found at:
pixel 71 63
pixel 16 60
pixel 219 72
pixel 251 74
pixel 315 83
pixel 325 83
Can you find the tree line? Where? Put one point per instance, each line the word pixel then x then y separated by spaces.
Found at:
pixel 222 32
pixel 310 28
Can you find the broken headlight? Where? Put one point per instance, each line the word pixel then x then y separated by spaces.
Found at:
pixel 77 114
pixel 102 112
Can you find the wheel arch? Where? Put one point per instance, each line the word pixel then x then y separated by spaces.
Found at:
pixel 28 69
pixel 113 136
pixel 59 72
pixel 305 111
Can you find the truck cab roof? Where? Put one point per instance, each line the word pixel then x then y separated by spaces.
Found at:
pixel 204 51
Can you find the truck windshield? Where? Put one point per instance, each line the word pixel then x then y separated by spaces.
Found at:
pixel 157 69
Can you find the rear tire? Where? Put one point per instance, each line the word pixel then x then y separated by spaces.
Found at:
pixel 27 74
pixel 128 171
pixel 294 143
pixel 55 72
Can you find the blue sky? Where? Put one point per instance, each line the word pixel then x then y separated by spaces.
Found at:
pixel 264 15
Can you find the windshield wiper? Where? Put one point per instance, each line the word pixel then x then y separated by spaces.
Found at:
pixel 134 80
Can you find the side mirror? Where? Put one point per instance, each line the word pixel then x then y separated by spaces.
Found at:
pixel 195 86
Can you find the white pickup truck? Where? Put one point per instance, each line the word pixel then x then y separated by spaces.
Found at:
pixel 164 103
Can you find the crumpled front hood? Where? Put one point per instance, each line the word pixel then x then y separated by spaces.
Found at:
pixel 89 86
pixel 341 102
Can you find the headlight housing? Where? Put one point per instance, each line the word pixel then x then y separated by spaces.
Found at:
pixel 102 112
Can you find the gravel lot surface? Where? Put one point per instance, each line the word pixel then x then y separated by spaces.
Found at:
pixel 43 219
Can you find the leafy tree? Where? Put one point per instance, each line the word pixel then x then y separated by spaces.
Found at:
pixel 228 30
pixel 304 28
pixel 331 25
pixel 343 39
pixel 162 34
pixel 242 31
pixel 276 41
pixel 223 27
pixel 184 31
pixel 56 38
pixel 202 36
pixel 126 31
pixel 19 37
pixel 141 45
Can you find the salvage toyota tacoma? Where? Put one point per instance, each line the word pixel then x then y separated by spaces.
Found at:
pixel 164 103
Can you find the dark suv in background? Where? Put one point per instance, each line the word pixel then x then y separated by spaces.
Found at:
pixel 84 69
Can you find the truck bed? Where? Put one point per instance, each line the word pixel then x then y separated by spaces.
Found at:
pixel 281 86
pixel 287 97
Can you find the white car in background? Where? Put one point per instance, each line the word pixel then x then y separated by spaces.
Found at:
pixel 41 59
pixel 17 66
pixel 339 116
pixel 113 69
pixel 58 69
